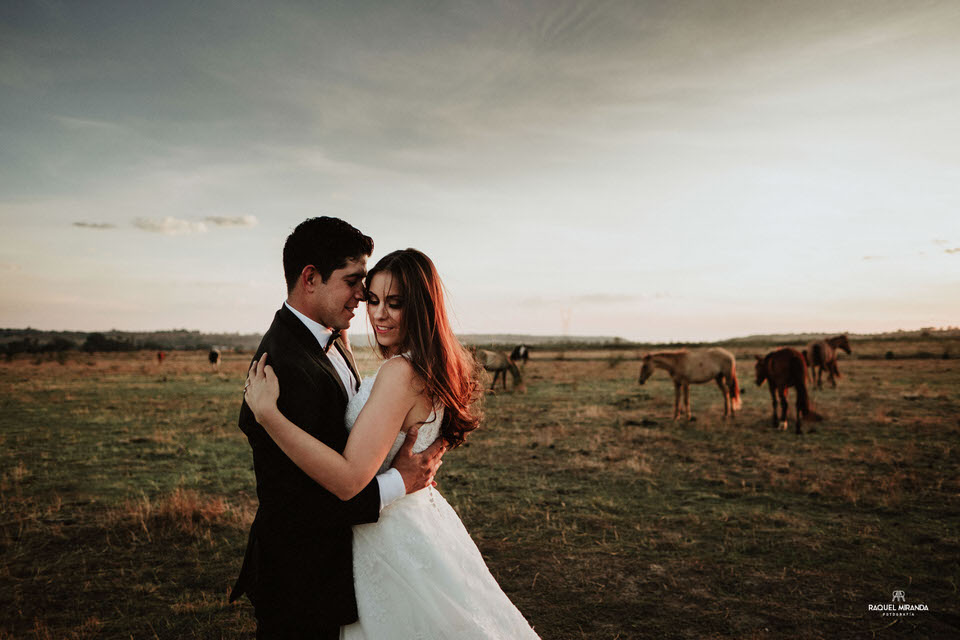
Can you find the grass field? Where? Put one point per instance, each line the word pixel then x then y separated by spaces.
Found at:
pixel 127 492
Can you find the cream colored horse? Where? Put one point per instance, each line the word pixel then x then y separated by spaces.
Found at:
pixel 703 365
pixel 498 363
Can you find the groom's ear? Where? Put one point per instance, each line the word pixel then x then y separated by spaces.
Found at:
pixel 310 278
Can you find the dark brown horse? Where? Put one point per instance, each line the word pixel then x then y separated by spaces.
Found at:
pixel 781 369
pixel 822 355
pixel 520 355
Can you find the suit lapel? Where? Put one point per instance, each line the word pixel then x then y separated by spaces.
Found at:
pixel 310 345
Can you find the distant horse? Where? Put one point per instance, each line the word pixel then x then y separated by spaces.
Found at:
pixel 520 354
pixel 699 366
pixel 822 354
pixel 499 364
pixel 214 357
pixel 781 369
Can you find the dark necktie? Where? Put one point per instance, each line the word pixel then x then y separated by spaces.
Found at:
pixel 333 338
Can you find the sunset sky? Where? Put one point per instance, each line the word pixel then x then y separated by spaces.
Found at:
pixel 664 170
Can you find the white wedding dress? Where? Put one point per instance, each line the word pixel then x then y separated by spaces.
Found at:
pixel 417 573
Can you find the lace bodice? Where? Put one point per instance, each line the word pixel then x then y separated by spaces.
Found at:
pixel 429 431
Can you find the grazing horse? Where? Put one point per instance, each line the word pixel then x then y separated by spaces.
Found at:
pixel 499 364
pixel 214 358
pixel 822 354
pixel 698 366
pixel 781 369
pixel 520 354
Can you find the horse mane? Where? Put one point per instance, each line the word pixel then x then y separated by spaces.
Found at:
pixel 838 341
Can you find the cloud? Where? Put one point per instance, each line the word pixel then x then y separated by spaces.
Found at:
pixel 874 257
pixel 84 123
pixel 617 298
pixel 95 225
pixel 954 250
pixel 169 226
pixel 236 221
pixel 9 267
pixel 575 301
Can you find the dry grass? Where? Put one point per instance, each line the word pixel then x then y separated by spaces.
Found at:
pixel 183 510
pixel 126 493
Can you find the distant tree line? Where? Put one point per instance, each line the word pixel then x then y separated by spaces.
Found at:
pixel 33 345
pixel 95 342
pixel 35 341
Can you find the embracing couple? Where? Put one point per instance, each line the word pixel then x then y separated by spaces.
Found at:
pixel 351 539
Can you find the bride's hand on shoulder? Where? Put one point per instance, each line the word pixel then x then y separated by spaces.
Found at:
pixel 262 389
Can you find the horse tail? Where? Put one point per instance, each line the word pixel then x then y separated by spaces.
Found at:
pixel 819 355
pixel 803 400
pixel 734 387
pixel 803 403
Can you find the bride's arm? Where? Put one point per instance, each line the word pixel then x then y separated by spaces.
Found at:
pixel 373 433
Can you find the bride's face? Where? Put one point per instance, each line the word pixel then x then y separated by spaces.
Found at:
pixel 384 308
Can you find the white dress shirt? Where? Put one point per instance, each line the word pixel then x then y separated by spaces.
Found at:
pixel 390 481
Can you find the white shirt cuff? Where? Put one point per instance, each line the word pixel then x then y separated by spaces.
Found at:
pixel 391 487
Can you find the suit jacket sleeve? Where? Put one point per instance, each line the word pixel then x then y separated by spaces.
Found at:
pixel 318 410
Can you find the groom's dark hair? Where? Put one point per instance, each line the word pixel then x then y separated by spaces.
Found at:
pixel 326 243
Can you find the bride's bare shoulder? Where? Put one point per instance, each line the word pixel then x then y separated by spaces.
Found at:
pixel 396 372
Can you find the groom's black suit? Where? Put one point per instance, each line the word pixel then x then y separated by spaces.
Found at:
pixel 298 568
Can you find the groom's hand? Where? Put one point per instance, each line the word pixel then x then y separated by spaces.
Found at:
pixel 418 469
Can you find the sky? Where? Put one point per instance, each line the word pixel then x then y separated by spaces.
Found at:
pixel 653 170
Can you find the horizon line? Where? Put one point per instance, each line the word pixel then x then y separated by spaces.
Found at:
pixel 517 335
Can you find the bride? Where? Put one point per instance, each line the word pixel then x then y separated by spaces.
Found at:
pixel 417 573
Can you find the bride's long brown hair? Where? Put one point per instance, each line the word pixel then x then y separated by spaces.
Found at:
pixel 448 372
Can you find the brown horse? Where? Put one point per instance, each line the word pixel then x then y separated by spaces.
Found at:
pixel 696 366
pixel 498 363
pixel 822 354
pixel 781 369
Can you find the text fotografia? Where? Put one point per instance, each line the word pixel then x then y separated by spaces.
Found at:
pixel 899 607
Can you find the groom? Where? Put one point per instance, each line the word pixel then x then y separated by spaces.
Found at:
pixel 298 568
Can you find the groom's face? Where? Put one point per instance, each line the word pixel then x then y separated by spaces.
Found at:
pixel 335 301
